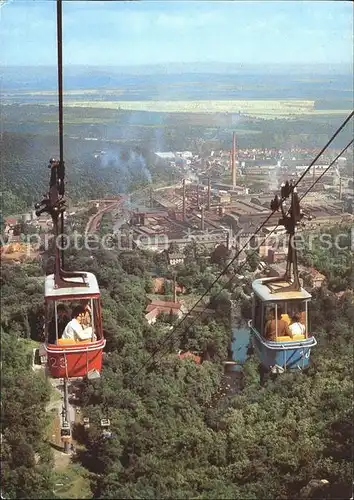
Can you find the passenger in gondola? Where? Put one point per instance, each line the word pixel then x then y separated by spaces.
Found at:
pixel 63 317
pixel 303 317
pixel 277 327
pixel 297 327
pixel 88 315
pixel 76 329
pixel 286 318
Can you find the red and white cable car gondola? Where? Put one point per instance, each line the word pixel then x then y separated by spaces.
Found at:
pixel 68 358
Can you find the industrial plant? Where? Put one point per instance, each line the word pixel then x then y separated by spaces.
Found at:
pixel 225 196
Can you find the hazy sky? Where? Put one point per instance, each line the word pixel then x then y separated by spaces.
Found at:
pixel 146 32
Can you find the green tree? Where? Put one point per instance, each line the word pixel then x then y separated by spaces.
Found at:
pixel 253 259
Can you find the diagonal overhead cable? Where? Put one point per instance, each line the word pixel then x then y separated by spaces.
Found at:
pixel 228 266
pixel 225 285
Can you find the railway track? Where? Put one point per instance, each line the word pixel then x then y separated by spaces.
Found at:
pixel 113 204
pixel 95 219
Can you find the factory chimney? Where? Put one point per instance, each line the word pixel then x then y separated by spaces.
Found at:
pixel 184 200
pixel 174 289
pixel 202 219
pixel 233 160
pixel 209 194
pixel 340 188
pixel 198 195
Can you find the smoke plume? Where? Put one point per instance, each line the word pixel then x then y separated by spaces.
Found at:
pixel 125 166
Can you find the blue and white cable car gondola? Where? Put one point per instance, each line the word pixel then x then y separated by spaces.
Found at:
pixel 277 300
pixel 283 353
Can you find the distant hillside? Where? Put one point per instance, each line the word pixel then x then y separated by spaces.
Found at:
pixel 25 176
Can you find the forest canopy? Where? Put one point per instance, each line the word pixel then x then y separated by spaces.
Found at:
pixel 90 175
pixel 174 433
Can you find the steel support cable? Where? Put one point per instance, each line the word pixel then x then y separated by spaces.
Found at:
pixel 326 170
pixel 349 117
pixel 61 172
pixel 170 335
pixel 60 78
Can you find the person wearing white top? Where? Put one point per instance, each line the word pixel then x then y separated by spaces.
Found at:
pixel 296 327
pixel 74 329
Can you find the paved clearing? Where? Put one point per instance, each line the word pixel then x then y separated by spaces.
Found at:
pixel 61 460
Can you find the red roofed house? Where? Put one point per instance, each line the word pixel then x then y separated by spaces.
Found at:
pixel 10 221
pixel 193 357
pixel 157 307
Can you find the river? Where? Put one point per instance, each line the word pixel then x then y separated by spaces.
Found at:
pixel 239 346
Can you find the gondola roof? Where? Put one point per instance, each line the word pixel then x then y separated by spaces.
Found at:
pixel 90 289
pixel 273 291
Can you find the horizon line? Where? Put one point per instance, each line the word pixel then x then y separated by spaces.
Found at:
pixel 137 65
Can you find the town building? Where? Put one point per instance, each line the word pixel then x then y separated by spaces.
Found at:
pixel 157 307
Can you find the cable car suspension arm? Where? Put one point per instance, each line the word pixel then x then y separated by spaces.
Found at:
pixel 54 203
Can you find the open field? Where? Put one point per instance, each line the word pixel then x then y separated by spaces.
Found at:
pixel 255 108
pixel 72 481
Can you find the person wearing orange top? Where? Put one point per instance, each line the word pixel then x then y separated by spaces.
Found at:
pixel 277 327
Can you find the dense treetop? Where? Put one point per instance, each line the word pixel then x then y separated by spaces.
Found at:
pixel 26 461
pixel 330 252
pixel 174 433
